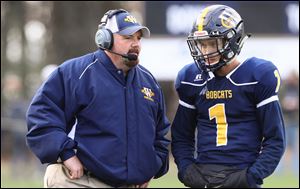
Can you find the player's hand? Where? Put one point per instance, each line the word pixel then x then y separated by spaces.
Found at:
pixel 193 177
pixel 238 179
pixel 75 167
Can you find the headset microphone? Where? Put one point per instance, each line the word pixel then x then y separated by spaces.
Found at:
pixel 130 56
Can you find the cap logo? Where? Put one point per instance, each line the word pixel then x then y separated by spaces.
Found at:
pixel 130 18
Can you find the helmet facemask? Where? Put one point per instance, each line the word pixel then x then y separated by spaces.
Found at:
pixel 207 51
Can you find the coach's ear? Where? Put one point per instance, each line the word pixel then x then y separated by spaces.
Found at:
pixel 192 177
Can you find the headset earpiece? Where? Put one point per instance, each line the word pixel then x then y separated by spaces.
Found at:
pixel 104 37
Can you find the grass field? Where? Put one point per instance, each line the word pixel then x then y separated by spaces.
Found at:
pixel 168 181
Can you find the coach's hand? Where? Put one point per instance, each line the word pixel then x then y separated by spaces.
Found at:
pixel 144 185
pixel 75 167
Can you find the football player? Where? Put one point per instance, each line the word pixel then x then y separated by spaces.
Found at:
pixel 230 108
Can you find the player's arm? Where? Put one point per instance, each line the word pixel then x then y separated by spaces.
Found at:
pixel 270 118
pixel 46 121
pixel 183 129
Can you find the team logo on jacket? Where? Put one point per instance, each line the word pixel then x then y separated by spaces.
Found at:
pixel 148 93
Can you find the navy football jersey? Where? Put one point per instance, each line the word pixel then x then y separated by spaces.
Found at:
pixel 228 115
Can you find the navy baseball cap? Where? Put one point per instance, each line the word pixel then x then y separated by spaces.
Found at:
pixel 125 24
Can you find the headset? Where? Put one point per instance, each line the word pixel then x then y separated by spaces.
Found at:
pixel 104 37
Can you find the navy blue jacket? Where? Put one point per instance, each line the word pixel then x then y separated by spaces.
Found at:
pixel 118 124
pixel 237 118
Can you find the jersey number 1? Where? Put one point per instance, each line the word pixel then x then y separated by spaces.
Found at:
pixel 218 112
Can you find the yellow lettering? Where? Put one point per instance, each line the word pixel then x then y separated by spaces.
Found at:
pixel 230 94
pixel 221 94
pixel 215 95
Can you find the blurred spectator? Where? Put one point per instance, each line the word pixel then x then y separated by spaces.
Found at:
pixel 290 108
pixel 12 124
pixel 16 108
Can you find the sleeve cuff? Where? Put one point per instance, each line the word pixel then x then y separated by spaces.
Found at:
pixel 252 180
pixel 66 154
pixel 163 170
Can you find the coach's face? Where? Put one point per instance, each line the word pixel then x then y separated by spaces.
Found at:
pixel 128 44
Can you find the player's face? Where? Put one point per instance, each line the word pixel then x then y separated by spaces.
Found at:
pixel 210 50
